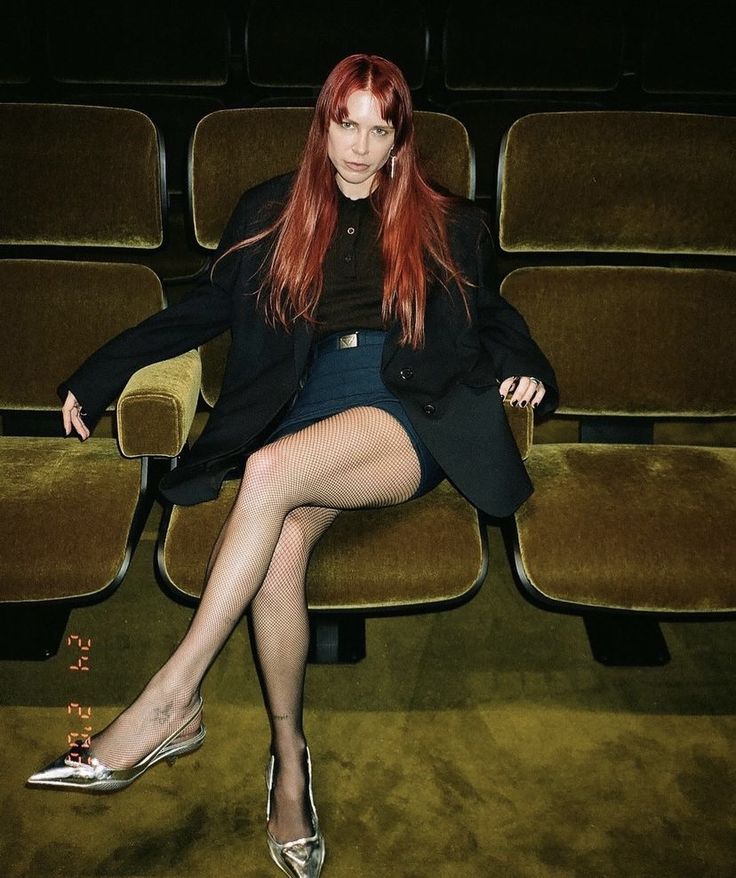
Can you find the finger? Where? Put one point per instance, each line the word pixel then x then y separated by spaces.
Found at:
pixel 539 395
pixel 520 396
pixel 70 405
pixel 507 385
pixel 79 424
pixel 528 390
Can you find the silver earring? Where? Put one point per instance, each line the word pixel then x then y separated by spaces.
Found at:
pixel 391 166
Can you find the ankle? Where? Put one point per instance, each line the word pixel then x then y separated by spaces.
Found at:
pixel 291 750
pixel 169 691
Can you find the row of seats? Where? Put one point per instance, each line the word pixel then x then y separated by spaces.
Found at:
pixel 638 514
pixel 244 49
pixel 486 64
pixel 78 181
pixel 627 239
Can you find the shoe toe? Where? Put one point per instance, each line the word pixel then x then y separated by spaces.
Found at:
pixel 68 769
pixel 56 770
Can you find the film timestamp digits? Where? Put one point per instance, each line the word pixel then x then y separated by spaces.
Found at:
pixel 74 708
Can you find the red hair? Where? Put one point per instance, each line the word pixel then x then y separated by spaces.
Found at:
pixel 413 228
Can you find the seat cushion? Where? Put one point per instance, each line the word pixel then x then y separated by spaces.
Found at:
pixel 427 551
pixel 65 514
pixel 638 527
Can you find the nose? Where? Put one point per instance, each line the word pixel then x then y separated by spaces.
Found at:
pixel 360 145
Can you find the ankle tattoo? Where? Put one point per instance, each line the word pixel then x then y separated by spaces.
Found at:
pixel 281 716
pixel 162 715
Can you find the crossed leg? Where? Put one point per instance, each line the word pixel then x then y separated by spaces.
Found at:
pixel 291 491
pixel 281 635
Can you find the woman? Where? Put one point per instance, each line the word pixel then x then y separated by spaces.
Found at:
pixel 370 354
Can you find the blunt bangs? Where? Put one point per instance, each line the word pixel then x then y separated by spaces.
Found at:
pixel 367 75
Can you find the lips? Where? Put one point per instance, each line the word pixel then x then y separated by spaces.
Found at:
pixel 357 166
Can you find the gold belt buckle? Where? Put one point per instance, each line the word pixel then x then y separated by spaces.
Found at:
pixel 347 341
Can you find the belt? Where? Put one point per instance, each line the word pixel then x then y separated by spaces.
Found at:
pixel 340 341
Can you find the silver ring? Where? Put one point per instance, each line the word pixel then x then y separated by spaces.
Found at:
pixel 534 380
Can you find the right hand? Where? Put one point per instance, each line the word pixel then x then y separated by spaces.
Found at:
pixel 71 412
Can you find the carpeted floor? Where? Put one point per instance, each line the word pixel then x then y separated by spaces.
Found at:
pixel 484 741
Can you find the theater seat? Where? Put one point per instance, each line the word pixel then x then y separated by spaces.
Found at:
pixel 170 64
pixel 71 512
pixel 280 50
pixel 620 529
pixel 428 554
pixel 527 46
pixel 687 48
pixel 502 61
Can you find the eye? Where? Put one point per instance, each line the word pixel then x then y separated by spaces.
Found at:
pixel 346 125
pixel 381 132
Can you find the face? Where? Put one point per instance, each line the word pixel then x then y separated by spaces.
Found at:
pixel 359 145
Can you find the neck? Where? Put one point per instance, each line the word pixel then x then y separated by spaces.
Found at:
pixel 355 192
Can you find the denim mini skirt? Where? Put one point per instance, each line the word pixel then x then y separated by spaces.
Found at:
pixel 341 377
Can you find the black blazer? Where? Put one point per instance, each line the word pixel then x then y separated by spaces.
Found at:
pixel 449 387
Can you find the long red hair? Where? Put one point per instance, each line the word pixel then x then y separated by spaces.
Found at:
pixel 413 230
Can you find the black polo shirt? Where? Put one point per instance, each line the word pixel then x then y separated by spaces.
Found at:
pixel 353 270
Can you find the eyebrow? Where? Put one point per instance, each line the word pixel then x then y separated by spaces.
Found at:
pixel 387 125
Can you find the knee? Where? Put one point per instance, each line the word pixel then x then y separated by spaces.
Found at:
pixel 263 479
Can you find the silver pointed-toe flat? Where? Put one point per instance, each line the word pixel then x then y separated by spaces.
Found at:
pixel 75 771
pixel 303 857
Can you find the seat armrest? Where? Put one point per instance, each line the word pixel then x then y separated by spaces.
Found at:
pixel 157 406
pixel 521 422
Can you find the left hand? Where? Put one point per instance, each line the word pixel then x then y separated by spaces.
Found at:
pixel 524 389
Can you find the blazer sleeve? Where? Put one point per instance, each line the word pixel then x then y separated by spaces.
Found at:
pixel 201 316
pixel 504 332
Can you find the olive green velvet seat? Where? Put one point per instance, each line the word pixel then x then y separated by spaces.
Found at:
pixel 171 63
pixel 618 522
pixel 429 553
pixel 71 512
pixel 502 61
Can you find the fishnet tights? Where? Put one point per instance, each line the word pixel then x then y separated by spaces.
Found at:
pixel 291 492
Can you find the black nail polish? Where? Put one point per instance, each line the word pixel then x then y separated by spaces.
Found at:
pixel 513 403
pixel 523 403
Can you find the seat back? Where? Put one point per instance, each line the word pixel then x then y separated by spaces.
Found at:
pixel 280 49
pixel 233 150
pixel 628 338
pixel 72 176
pixel 79 176
pixel 564 46
pixel 137 42
pixel 687 48
pixel 56 313
pixel 16 46
pixel 628 182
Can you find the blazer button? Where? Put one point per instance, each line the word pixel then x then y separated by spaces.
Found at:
pixel 429 409
pixel 407 373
